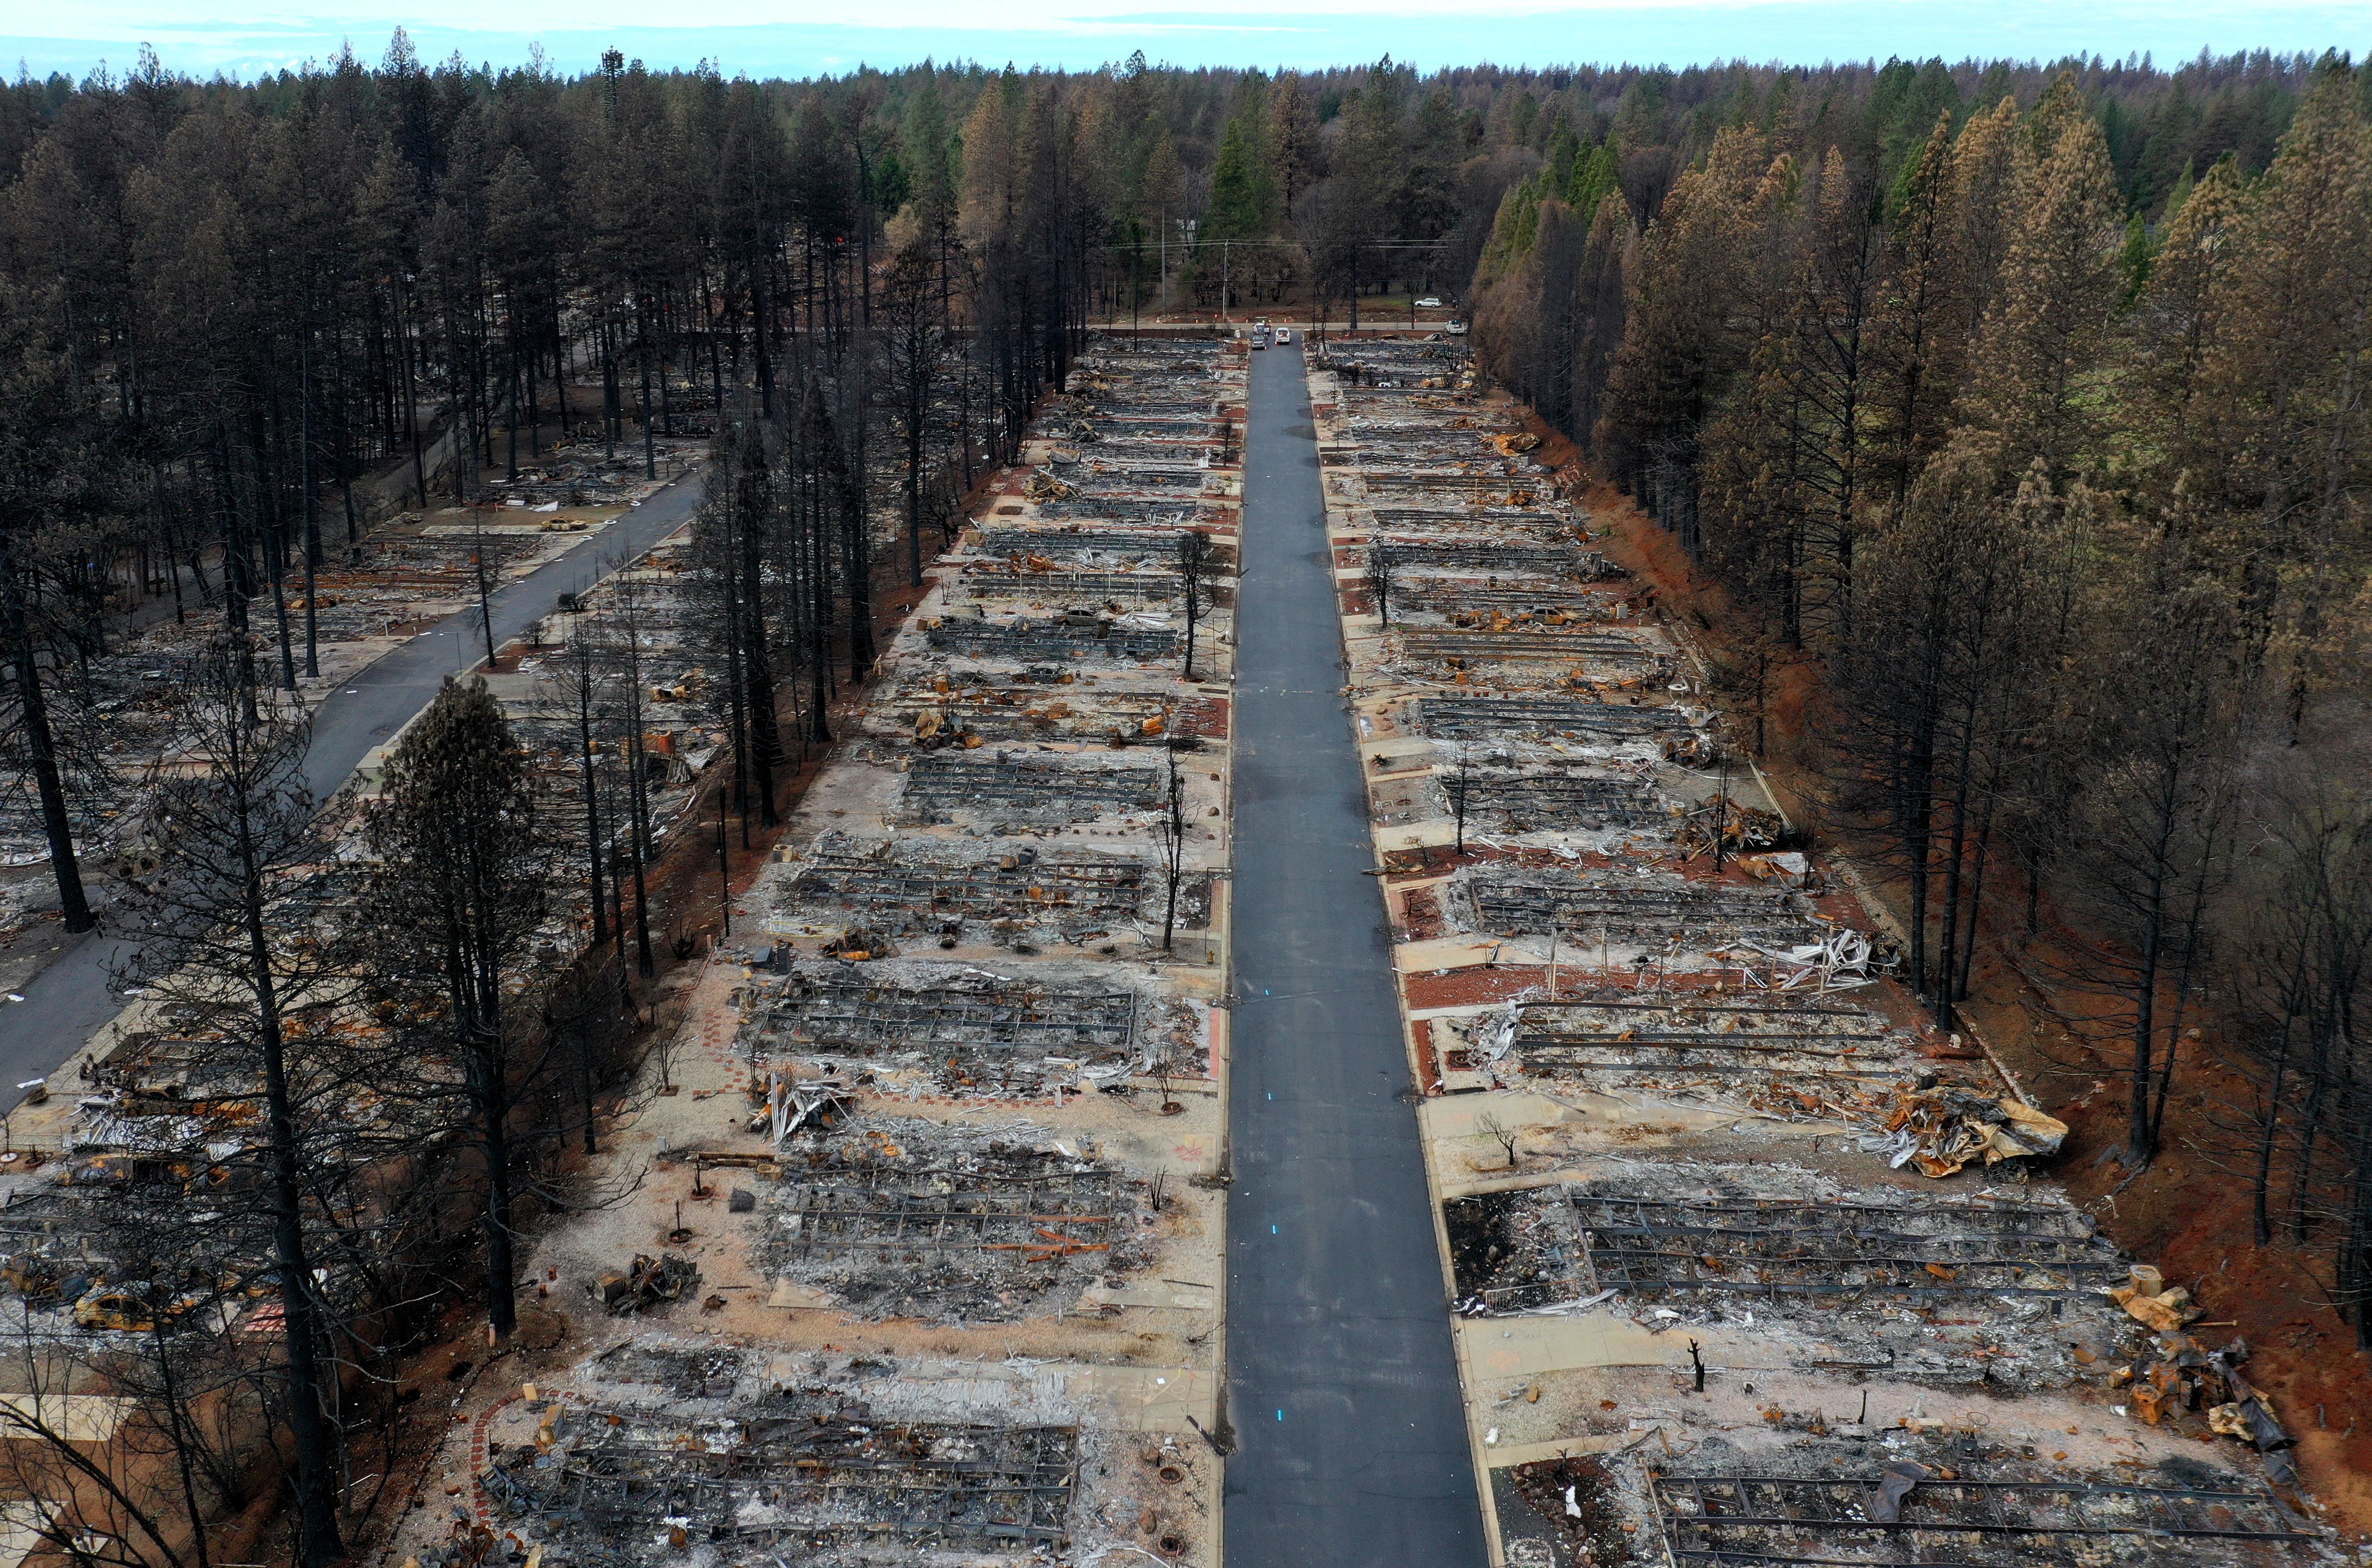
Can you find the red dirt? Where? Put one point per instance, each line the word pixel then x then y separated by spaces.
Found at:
pixel 1428 1069
pixel 1475 986
pixel 1206 716
pixel 2189 1213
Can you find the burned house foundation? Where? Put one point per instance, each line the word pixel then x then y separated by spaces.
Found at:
pixel 1031 1036
pixel 1750 1264
pixel 1016 789
pixel 931 1154
pixel 805 1471
pixel 1088 636
pixel 1019 896
pixel 897 1216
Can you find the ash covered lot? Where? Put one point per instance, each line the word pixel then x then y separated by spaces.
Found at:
pixel 1749 1263
pixel 915 1256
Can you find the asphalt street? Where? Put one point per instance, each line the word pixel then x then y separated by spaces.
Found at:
pixel 74 998
pixel 1343 1388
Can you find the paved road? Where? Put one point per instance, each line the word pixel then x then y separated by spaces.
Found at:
pixel 1342 1384
pixel 73 999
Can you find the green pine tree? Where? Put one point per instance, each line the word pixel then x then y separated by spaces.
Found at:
pixel 459 890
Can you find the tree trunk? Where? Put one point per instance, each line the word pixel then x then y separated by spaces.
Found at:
pixel 310 1432
pixel 312 518
pixel 38 741
pixel 592 799
pixel 643 355
pixel 493 1133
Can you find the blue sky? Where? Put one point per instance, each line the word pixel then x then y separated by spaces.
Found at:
pixel 759 39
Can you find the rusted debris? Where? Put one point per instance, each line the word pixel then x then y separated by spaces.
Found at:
pixel 1941 1130
pixel 646 1282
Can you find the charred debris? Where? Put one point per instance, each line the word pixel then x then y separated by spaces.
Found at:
pixel 1751 1264
pixel 951 1093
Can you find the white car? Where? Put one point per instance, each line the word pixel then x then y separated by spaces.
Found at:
pixel 1285 334
pixel 1428 303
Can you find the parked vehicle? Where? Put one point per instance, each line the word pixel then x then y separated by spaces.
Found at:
pixel 1455 328
pixel 1430 302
